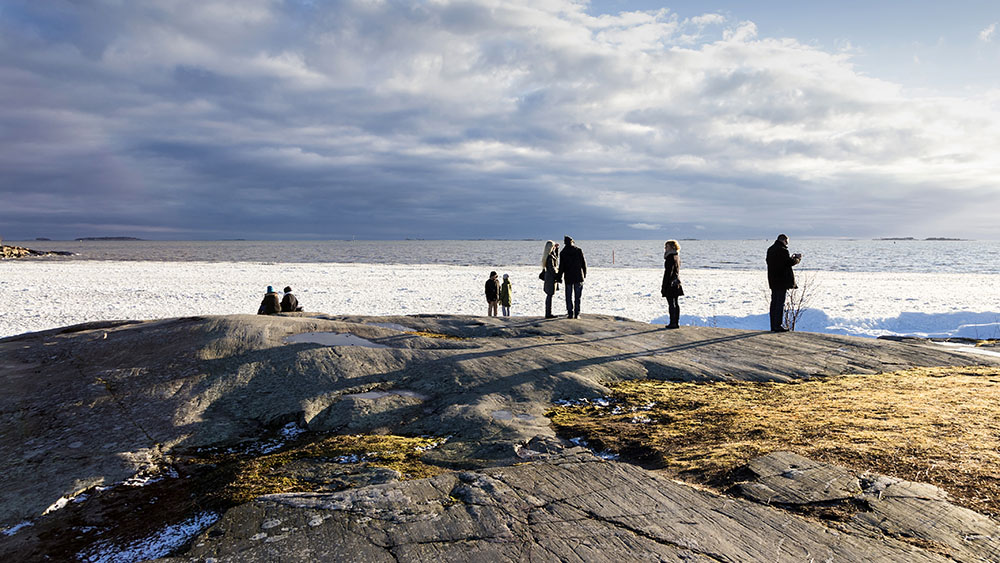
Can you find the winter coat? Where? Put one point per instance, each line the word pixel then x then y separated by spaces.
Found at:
pixel 289 303
pixel 572 264
pixel 492 289
pixel 270 305
pixel 506 291
pixel 671 286
pixel 779 267
pixel 551 274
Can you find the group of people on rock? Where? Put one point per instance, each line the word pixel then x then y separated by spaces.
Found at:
pixel 569 268
pixel 271 305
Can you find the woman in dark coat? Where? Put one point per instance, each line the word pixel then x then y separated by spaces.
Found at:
pixel 671 287
pixel 550 265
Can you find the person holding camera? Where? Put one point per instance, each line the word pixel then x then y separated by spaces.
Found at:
pixel 780 279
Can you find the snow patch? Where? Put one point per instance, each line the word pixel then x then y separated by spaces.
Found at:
pixel 157 545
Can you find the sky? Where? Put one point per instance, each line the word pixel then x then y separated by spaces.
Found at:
pixel 440 119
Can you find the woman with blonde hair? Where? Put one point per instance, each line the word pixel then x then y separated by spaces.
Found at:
pixel 550 260
pixel 671 287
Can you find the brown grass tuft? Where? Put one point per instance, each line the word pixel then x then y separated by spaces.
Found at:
pixel 934 425
pixel 239 478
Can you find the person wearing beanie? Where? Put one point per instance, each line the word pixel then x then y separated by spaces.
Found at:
pixel 289 303
pixel 572 270
pixel 506 292
pixel 270 305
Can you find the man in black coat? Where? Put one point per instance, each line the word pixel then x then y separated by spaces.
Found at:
pixel 780 279
pixel 573 270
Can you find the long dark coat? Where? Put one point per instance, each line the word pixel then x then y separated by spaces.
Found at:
pixel 671 272
pixel 551 275
pixel 572 264
pixel 779 267
pixel 493 289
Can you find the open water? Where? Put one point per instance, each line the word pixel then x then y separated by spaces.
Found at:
pixel 979 257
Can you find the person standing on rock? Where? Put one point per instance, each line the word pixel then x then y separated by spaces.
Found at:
pixel 780 279
pixel 550 274
pixel 573 270
pixel 671 286
pixel 506 295
pixel 492 293
pixel 289 303
pixel 270 305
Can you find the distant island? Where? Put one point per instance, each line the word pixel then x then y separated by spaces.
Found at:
pixel 926 239
pixel 108 238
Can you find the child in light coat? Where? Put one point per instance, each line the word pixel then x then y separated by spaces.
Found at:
pixel 506 293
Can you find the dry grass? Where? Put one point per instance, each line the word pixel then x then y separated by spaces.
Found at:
pixel 439 335
pixel 240 478
pixel 935 425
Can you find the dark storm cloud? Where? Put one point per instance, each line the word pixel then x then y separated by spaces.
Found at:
pixel 390 119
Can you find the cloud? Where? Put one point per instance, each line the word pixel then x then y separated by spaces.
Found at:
pixel 645 227
pixel 986 35
pixel 469 119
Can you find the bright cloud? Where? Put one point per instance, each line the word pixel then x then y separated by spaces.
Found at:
pixel 465 119
pixel 987 34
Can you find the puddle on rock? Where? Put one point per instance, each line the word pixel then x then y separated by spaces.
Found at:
pixel 332 339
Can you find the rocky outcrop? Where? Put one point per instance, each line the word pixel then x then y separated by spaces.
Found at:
pixel 21 252
pixel 916 513
pixel 569 508
pixel 95 404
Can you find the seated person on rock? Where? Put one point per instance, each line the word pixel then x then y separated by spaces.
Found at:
pixel 270 305
pixel 289 303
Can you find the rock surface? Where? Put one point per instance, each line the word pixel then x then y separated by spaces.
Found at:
pixel 570 508
pixel 95 404
pixel 916 512
pixel 7 251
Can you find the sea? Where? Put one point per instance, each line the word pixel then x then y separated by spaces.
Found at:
pixel 940 288
pixel 836 255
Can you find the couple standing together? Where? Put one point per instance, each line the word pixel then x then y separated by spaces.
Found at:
pixel 568 267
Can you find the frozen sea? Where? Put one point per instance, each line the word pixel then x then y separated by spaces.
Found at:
pixel 858 287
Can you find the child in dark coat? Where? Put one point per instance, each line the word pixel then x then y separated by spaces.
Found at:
pixel 492 293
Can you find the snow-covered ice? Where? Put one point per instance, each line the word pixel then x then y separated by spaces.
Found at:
pixel 41 295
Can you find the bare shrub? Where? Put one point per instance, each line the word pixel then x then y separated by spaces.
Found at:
pixel 799 298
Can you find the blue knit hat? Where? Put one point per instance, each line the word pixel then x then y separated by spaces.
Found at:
pixel 270 289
